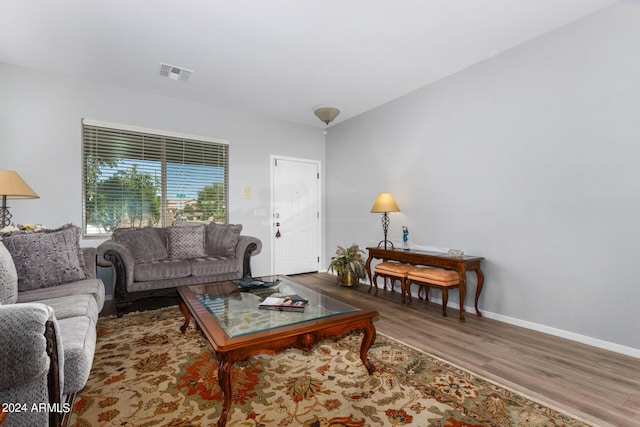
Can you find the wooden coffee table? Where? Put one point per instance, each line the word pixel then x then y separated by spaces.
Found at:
pixel 229 318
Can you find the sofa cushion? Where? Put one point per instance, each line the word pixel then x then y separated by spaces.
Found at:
pixel 8 277
pixel 159 270
pixel 212 265
pixel 144 244
pixel 74 306
pixel 222 239
pixel 186 242
pixel 46 257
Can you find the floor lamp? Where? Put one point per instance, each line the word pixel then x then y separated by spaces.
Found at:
pixel 384 204
pixel 12 186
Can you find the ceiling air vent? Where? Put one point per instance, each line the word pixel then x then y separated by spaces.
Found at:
pixel 174 73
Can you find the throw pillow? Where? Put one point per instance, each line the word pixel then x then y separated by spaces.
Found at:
pixel 8 277
pixel 222 239
pixel 144 244
pixel 186 242
pixel 46 257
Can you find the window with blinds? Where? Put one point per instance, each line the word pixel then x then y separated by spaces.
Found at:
pixel 142 178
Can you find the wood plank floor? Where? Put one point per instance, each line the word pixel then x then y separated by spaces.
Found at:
pixel 598 386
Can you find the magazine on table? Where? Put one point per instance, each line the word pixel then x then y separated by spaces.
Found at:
pixel 284 303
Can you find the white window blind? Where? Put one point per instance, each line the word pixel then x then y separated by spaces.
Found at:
pixel 143 178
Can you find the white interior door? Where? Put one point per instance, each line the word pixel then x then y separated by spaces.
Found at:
pixel 296 215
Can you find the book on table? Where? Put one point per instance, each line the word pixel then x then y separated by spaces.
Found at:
pixel 284 303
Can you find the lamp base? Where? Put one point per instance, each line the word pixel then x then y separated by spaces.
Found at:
pixel 385 244
pixel 5 217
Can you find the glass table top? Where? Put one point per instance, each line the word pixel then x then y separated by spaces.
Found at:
pixel 236 308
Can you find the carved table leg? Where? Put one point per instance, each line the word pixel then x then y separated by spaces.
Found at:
pixel 407 285
pixel 403 287
pixel 369 275
pixel 224 381
pixel 187 317
pixel 463 294
pixel 369 337
pixel 479 286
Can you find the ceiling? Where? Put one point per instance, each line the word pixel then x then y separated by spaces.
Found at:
pixel 275 58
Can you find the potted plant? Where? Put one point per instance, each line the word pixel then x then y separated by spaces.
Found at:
pixel 349 265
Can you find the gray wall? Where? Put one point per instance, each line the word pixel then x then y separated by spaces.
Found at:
pixel 530 159
pixel 40 137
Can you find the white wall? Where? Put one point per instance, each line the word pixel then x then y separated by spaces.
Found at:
pixel 40 137
pixel 530 159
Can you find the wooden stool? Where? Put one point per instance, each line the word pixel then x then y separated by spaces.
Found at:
pixel 437 278
pixel 394 271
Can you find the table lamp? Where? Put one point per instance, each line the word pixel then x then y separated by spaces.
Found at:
pixel 12 186
pixel 384 204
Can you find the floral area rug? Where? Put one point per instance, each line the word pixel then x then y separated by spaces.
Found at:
pixel 147 373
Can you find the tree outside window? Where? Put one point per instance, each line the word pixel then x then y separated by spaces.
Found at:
pixel 135 179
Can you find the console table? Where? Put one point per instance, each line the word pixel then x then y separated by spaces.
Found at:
pixel 461 264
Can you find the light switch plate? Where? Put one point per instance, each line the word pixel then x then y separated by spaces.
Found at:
pixel 246 192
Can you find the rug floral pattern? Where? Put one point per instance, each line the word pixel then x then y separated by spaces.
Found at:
pixel 147 373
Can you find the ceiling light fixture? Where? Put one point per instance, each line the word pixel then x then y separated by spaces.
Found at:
pixel 327 114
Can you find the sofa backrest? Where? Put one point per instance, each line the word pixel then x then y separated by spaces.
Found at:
pixel 152 243
pixel 144 244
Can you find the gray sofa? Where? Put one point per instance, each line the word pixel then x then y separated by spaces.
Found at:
pixel 50 299
pixel 151 262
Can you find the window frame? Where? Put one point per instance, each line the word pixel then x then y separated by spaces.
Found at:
pixel 171 138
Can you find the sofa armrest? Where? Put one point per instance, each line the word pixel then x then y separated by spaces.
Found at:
pixel 115 255
pixel 31 353
pixel 247 247
pixel 104 259
pixel 23 355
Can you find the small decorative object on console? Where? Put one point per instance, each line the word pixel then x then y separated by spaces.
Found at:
pixel 405 238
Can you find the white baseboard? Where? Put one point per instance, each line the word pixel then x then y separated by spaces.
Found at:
pixel 595 342
pixel 605 345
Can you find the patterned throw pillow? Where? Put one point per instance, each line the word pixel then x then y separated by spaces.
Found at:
pixel 222 239
pixel 8 277
pixel 186 242
pixel 144 244
pixel 46 258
